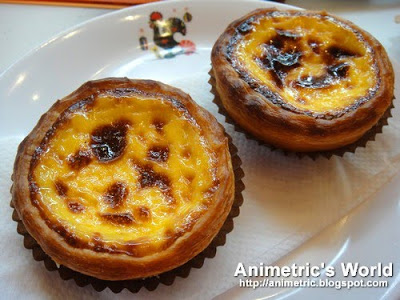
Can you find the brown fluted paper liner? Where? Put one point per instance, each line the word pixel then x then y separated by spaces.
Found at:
pixel 362 142
pixel 149 283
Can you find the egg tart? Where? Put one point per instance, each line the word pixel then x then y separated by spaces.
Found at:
pixel 124 179
pixel 301 80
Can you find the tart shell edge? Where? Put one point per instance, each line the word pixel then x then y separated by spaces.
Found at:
pixel 109 266
pixel 287 129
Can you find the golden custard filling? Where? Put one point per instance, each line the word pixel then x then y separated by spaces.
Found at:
pixel 128 174
pixel 313 62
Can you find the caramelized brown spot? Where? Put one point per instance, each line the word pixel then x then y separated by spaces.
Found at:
pixel 119 218
pixel 314 82
pixel 339 52
pixel 109 141
pixel 72 239
pixel 79 160
pixel 61 188
pixel 158 125
pixel 315 46
pixel 186 153
pixel 158 153
pixel 150 178
pixel 281 54
pixel 75 207
pixel 190 178
pixel 116 194
pixel 339 70
pixel 334 54
pixel 143 213
pixel 333 74
pixel 97 241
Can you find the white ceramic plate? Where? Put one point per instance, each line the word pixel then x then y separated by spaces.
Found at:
pixel 109 46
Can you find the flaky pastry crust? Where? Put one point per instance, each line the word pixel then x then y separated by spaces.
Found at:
pixel 114 265
pixel 265 114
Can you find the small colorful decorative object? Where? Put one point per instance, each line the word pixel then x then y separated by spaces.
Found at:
pixel 165 45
